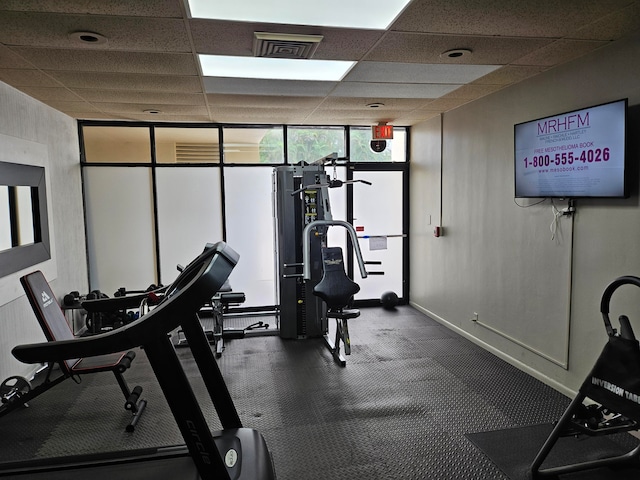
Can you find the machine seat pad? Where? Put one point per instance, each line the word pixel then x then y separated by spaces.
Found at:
pixel 343 314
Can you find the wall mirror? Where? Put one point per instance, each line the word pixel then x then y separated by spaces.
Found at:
pixel 24 227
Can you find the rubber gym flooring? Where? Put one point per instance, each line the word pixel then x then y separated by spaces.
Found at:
pixel 401 408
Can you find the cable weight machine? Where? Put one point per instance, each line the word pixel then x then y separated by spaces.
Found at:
pixel 302 219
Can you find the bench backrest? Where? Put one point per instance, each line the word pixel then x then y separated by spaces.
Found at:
pixel 47 311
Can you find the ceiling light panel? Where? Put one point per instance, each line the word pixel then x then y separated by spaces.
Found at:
pixel 363 14
pixel 274 68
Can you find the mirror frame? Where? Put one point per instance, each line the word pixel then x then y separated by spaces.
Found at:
pixel 24 256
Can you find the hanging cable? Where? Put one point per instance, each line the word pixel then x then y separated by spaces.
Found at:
pixel 554 224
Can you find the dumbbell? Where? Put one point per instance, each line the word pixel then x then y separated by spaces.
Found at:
pixel 71 299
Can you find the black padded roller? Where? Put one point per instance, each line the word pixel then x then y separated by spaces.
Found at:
pixel 133 399
pixel 125 362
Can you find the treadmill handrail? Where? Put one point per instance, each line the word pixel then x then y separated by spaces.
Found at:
pixel 306 245
pixel 202 278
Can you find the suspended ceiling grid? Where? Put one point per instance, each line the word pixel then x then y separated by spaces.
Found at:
pixel 149 62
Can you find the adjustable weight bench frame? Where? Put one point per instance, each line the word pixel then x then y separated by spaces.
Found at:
pixel 55 328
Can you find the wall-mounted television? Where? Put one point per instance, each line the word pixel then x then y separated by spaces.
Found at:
pixel 577 154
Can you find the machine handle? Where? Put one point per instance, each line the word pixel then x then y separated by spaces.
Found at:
pixel 306 245
pixel 606 299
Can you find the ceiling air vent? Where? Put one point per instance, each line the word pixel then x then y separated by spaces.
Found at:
pixel 284 45
pixel 197 153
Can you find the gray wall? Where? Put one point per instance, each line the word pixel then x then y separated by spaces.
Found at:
pixel 537 298
pixel 38 134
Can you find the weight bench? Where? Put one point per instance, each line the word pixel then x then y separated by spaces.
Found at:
pixel 56 328
pixel 336 289
pixel 220 304
pixel 219 308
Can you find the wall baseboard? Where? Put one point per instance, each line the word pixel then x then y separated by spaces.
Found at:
pixel 507 358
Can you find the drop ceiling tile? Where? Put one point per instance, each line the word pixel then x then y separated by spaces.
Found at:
pixel 503 17
pixel 95 116
pixel 122 33
pixel 388 72
pixel 391 90
pixel 342 117
pixel 263 101
pixel 257 115
pixel 27 78
pixel 612 26
pixel 109 61
pixel 267 87
pixel 72 107
pixel 348 103
pixel 417 116
pixel 473 91
pixel 10 59
pixel 426 48
pixel 126 81
pixel 147 8
pixel 560 51
pixel 236 38
pixel 56 93
pixel 139 108
pixel 161 117
pixel 376 115
pixel 156 98
pixel 509 74
pixel 443 104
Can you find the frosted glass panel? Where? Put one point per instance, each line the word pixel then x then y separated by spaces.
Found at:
pixel 189 215
pixel 378 209
pixel 119 228
pixel 250 226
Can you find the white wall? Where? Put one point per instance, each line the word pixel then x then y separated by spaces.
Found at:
pixel 537 298
pixel 44 137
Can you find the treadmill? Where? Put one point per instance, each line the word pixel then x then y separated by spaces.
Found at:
pixel 234 453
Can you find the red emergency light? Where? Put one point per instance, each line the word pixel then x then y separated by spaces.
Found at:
pixel 382 132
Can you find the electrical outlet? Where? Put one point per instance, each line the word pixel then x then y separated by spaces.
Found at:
pixel 475 317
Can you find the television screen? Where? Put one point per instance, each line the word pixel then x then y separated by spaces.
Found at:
pixel 577 154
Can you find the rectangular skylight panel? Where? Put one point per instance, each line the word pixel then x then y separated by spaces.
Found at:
pixel 365 14
pixel 274 68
